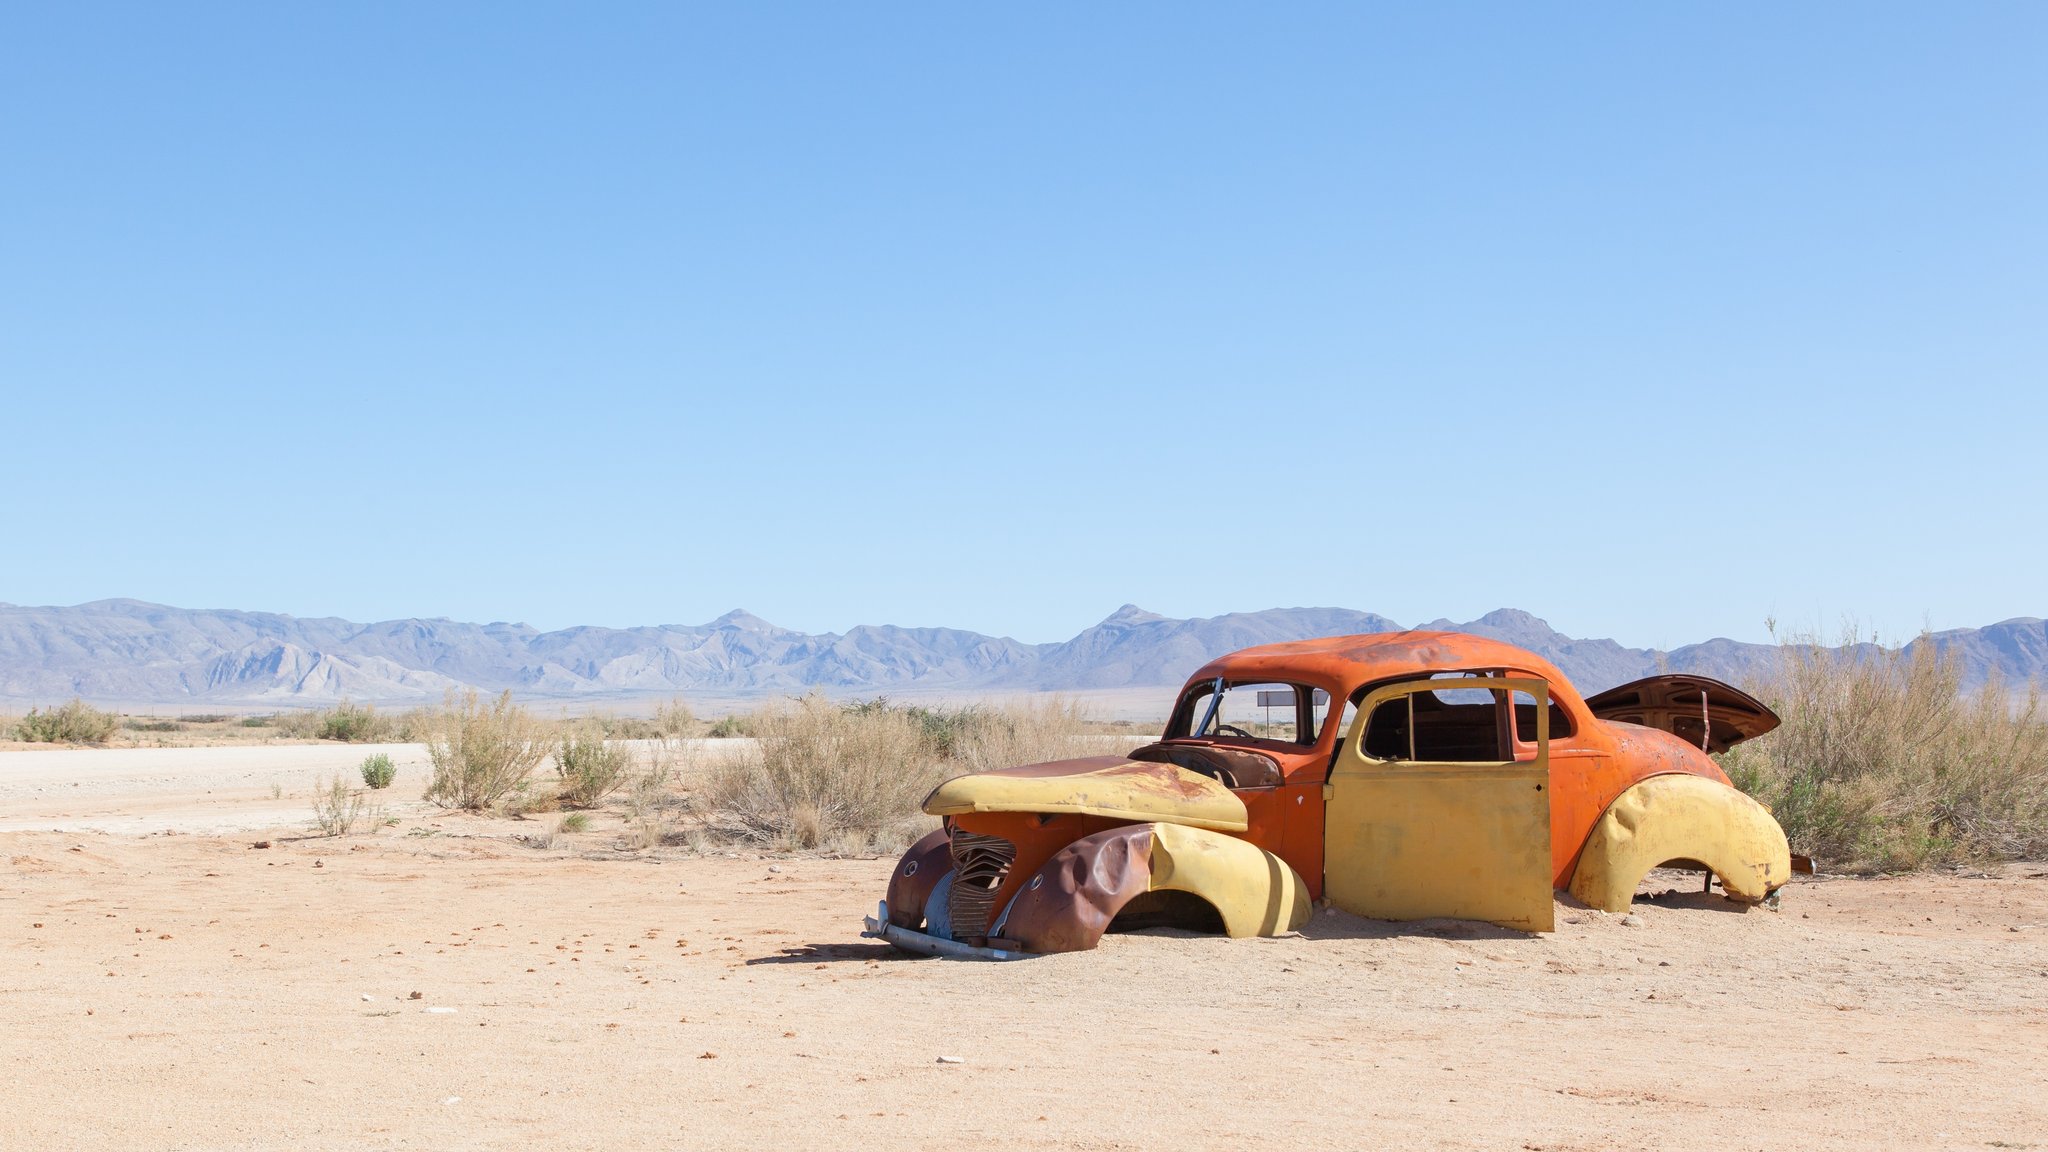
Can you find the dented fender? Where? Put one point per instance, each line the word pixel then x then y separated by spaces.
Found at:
pixel 916 874
pixel 1681 817
pixel 1070 902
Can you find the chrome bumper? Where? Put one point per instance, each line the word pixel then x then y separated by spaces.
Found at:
pixel 910 940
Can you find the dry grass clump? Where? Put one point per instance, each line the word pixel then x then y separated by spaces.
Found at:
pixel 738 725
pixel 337 807
pixel 823 776
pixel 655 804
pixel 674 718
pixel 1884 762
pixel 1028 733
pixel 482 753
pixel 590 767
pixel 73 723
pixel 852 778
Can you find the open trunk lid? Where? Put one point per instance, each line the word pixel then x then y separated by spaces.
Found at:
pixel 1701 711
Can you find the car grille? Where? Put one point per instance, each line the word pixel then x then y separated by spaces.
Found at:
pixel 979 865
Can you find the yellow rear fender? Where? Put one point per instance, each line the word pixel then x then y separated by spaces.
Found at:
pixel 1680 817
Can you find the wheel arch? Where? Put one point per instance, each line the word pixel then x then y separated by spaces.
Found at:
pixel 1681 817
pixel 1072 900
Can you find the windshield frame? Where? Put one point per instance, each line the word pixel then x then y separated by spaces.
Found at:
pixel 1182 725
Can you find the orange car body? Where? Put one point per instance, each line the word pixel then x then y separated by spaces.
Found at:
pixel 1592 760
pixel 1593 753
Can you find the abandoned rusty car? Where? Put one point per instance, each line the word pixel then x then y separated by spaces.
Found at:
pixel 1455 776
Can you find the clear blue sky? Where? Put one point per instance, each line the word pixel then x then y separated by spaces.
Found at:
pixel 1655 320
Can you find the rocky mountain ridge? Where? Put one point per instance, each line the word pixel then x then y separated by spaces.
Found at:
pixel 134 653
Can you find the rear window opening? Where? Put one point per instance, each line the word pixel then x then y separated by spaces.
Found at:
pixel 1458 725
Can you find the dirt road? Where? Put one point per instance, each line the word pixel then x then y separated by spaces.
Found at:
pixel 190 991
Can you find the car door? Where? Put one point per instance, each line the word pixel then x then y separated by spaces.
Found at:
pixel 1422 819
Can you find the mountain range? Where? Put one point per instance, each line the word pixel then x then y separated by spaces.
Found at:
pixel 129 652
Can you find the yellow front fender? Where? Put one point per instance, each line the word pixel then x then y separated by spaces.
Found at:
pixel 1679 817
pixel 1256 892
pixel 1072 900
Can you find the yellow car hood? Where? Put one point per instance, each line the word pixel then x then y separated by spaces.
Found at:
pixel 1096 786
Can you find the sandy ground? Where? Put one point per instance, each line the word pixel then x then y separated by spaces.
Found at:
pixel 448 987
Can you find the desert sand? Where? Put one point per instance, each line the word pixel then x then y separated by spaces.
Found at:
pixel 438 983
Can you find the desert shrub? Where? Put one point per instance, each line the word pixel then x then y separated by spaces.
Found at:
pixel 653 804
pixel 1029 732
pixel 73 723
pixel 823 775
pixel 946 728
pixel 734 726
pixel 206 718
pixel 590 767
pixel 674 718
pixel 481 753
pixel 299 724
pixel 623 727
pixel 259 721
pixel 1883 761
pixel 354 724
pixel 378 770
pixel 574 822
pixel 336 807
pixel 136 724
pixel 411 725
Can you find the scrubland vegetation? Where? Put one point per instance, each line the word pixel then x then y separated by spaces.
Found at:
pixel 850 778
pixel 73 723
pixel 1884 762
pixel 814 775
pixel 348 723
pixel 824 775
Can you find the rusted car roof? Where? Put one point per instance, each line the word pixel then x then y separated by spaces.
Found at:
pixel 1349 661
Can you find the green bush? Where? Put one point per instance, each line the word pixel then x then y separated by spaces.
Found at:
pixel 590 767
pixel 352 724
pixel 730 727
pixel 378 770
pixel 73 723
